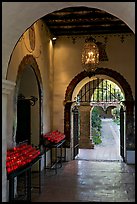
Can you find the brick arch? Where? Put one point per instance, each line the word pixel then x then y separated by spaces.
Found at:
pixel 128 103
pixel 100 71
pixel 30 62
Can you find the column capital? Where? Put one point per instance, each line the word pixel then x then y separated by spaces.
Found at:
pixel 84 103
pixel 7 86
pixel 85 108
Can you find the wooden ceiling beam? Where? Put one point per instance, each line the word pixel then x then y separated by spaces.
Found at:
pixel 88 32
pixel 77 16
pixel 86 25
pixel 81 22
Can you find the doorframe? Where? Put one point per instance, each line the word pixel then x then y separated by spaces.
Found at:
pixel 29 61
pixel 128 103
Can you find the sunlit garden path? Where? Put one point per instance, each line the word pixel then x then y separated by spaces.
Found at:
pixel 109 149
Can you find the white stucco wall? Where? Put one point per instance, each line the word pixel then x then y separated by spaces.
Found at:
pixel 7 88
pixel 18 16
pixel 43 54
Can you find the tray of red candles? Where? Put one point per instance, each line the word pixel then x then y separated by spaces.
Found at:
pixel 21 156
pixel 54 136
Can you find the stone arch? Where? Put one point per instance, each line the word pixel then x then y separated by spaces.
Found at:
pixel 29 61
pixel 128 103
pixel 100 71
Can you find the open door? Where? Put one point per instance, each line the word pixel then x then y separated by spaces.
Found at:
pixel 122 150
pixel 75 132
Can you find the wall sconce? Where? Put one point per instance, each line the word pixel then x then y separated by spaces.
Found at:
pixel 90 55
pixel 54 38
pixel 32 99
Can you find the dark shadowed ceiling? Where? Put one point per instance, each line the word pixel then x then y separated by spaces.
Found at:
pixel 83 21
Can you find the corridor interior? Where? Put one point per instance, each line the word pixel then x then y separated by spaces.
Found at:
pixel 95 175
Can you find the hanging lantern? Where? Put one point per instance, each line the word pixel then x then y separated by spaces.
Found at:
pixel 90 55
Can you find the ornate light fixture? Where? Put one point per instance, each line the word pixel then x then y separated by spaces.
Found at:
pixel 90 55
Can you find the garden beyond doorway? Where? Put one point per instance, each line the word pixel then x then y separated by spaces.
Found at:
pixel 109 149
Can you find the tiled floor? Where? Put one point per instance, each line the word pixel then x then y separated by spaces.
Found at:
pixel 96 175
pixel 87 181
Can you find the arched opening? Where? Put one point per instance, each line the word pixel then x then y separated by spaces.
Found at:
pixel 28 88
pixel 99 102
pixel 28 109
pixel 27 127
pixel 17 35
pixel 127 103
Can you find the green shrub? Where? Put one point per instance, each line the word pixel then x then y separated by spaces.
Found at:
pixel 96 136
pixel 96 126
pixel 96 120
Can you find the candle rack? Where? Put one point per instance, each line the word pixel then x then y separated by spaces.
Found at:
pixel 20 160
pixel 54 141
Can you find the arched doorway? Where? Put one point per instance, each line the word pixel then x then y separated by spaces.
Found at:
pixel 27 124
pixel 28 90
pixel 12 40
pixel 128 105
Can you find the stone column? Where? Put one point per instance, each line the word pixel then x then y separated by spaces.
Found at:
pixel 85 141
pixel 91 123
pixel 130 131
pixel 7 87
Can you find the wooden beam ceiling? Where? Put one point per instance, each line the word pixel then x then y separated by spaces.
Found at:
pixel 83 21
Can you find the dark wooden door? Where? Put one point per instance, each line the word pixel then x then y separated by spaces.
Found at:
pixel 23 121
pixel 75 132
pixel 122 133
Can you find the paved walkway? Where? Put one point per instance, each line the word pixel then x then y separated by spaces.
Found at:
pixel 109 149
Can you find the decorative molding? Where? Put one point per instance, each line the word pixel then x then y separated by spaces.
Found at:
pixel 32 37
pixel 7 86
pixel 29 40
pixel 122 37
pixel 100 71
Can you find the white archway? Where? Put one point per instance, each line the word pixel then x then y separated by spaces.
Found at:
pixel 18 16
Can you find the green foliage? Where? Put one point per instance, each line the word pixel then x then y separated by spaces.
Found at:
pixel 96 120
pixel 107 90
pixel 116 114
pixel 96 126
pixel 96 136
pixel 117 121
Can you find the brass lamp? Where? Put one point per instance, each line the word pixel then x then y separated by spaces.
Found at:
pixel 90 55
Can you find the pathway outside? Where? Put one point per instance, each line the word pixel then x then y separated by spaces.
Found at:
pixel 109 149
